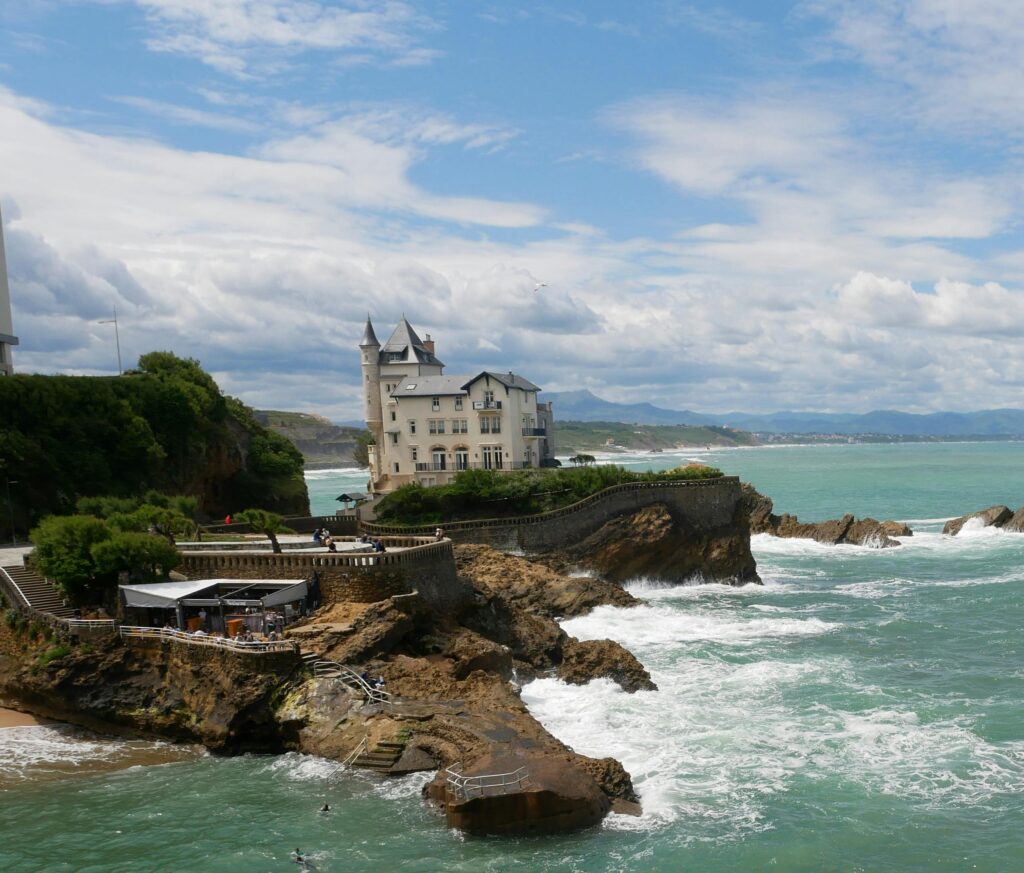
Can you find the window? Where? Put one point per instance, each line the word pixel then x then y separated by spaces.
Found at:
pixel 462 459
pixel 438 457
pixel 488 454
pixel 396 466
pixel 497 458
pixel 490 424
pixel 394 439
pixel 435 404
pixel 458 404
pixel 412 427
pixel 393 415
pixel 415 453
pixel 488 397
pixel 460 425
pixel 436 425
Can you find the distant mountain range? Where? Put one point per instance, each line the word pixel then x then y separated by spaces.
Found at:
pixel 585 406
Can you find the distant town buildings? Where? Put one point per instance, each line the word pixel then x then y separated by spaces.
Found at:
pixel 7 338
pixel 429 426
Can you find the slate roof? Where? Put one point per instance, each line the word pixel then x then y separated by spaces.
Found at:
pixel 404 341
pixel 430 386
pixel 509 380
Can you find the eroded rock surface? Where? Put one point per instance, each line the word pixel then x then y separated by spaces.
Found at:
pixel 652 543
pixel 584 660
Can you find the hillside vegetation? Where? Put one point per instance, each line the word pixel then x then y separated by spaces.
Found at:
pixel 490 494
pixel 575 436
pixel 164 426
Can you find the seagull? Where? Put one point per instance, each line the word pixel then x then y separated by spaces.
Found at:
pixel 540 285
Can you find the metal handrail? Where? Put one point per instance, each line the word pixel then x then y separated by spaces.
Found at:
pixel 88 623
pixel 325 669
pixel 363 746
pixel 16 588
pixel 256 647
pixel 467 787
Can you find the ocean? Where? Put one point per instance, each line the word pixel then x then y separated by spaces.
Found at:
pixel 863 710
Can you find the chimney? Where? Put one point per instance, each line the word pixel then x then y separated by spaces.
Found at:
pixel 428 344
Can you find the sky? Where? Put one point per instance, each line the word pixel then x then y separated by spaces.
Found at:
pixel 760 205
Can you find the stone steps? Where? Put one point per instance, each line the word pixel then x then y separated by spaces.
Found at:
pixel 40 592
pixel 382 757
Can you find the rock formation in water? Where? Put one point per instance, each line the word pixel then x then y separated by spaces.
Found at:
pixel 850 530
pixel 995 516
pixel 653 543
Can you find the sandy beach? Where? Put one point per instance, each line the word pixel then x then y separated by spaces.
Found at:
pixel 12 718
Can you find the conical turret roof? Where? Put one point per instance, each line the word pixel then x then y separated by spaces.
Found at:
pixel 369 337
pixel 408 345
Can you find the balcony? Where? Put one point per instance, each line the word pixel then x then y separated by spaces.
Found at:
pixel 481 405
pixel 534 431
pixel 429 467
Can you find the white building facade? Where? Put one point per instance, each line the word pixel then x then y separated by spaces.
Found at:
pixel 7 338
pixel 428 426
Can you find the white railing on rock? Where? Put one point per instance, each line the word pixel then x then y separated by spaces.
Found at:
pixel 465 787
pixel 364 746
pixel 255 647
pixel 89 623
pixel 333 670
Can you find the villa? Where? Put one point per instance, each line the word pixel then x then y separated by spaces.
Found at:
pixel 428 426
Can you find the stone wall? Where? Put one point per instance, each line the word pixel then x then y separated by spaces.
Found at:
pixel 182 653
pixel 363 578
pixel 703 505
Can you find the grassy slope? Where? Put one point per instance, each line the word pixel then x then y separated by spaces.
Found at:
pixel 594 435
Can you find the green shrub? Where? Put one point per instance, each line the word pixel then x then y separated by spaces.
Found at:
pixel 35 629
pixel 11 617
pixel 494 494
pixel 53 654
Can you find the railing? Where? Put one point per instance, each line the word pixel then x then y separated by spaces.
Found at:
pixel 540 517
pixel 68 626
pixel 486 404
pixel 430 467
pixel 333 670
pixel 489 785
pixel 363 746
pixel 534 431
pixel 163 633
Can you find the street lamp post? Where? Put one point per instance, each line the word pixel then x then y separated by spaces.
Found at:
pixel 117 339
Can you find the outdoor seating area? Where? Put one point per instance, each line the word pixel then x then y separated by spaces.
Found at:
pixel 244 610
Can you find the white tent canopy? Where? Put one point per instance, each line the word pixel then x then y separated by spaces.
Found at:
pixel 167 595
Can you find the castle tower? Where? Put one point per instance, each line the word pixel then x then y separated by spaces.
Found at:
pixel 369 348
pixel 7 338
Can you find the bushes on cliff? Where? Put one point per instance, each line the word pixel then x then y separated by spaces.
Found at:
pixel 164 426
pixel 84 556
pixel 494 494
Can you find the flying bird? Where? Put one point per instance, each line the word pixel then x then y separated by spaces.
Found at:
pixel 540 285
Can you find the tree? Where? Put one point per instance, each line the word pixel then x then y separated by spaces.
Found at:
pixel 361 450
pixel 269 523
pixel 582 460
pixel 140 554
pixel 63 552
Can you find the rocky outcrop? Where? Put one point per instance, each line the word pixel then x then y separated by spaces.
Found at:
pixel 1016 522
pixel 848 529
pixel 994 516
pixel 583 661
pixel 225 702
pixel 653 543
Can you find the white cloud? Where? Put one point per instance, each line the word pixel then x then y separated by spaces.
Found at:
pixel 962 61
pixel 247 37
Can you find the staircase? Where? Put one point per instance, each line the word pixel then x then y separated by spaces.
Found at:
pixel 323 669
pixel 37 591
pixel 381 757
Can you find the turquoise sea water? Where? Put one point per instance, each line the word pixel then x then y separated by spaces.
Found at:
pixel 861 711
